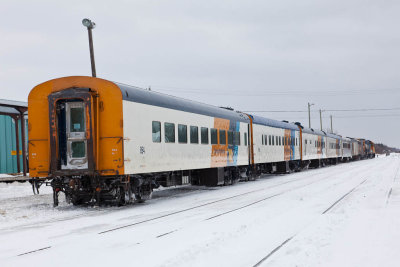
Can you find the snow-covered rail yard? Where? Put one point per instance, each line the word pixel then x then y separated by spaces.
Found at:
pixel 344 215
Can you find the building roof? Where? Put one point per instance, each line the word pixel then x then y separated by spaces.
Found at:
pixel 11 107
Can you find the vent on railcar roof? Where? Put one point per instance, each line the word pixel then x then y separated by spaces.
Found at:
pixel 299 124
pixel 228 108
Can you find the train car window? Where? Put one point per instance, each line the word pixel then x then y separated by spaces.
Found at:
pixel 169 131
pixel 262 139
pixel 194 134
pixel 182 134
pixel 276 140
pixel 77 119
pixel 236 138
pixel 156 131
pixel 222 137
pixel 245 139
pixel 280 140
pixel 204 135
pixel 265 139
pixel 214 136
pixel 269 139
pixel 230 138
pixel 273 140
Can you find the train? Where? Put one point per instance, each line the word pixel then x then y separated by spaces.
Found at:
pixel 99 142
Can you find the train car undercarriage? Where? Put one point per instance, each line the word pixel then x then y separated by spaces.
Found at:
pixel 125 189
pixel 92 190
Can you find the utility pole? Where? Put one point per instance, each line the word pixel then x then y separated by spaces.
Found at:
pixel 309 116
pixel 331 125
pixel 320 118
pixel 90 25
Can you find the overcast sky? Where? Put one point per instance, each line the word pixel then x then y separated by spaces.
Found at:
pixel 250 55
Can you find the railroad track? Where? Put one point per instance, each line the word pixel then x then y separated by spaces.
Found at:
pixel 323 213
pixel 229 198
pixel 327 210
pixel 354 168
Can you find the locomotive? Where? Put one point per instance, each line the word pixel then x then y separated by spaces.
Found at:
pixel 105 142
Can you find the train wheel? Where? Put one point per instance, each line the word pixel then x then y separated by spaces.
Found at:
pixel 121 196
pixel 55 198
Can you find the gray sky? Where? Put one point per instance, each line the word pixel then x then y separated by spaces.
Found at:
pixel 250 55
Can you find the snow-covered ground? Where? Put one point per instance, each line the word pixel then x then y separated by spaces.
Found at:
pixel 344 215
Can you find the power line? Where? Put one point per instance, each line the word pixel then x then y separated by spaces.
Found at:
pixel 363 109
pixel 324 110
pixel 346 117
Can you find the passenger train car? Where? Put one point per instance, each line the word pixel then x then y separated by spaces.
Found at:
pixel 105 142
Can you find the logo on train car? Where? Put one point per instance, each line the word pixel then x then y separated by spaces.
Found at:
pixel 289 142
pixel 226 151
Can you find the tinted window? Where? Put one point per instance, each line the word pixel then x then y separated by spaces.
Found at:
pixel 236 138
pixel 204 135
pixel 280 142
pixel 182 133
pixel 269 139
pixel 276 140
pixel 156 131
pixel 222 137
pixel 230 138
pixel 78 149
pixel 245 139
pixel 169 130
pixel 262 139
pixel 194 134
pixel 77 119
pixel 214 136
pixel 273 140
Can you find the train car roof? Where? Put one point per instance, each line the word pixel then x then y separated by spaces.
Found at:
pixel 313 131
pixel 139 95
pixel 274 123
pixel 335 136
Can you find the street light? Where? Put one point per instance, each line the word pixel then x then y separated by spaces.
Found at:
pixel 90 25
pixel 309 116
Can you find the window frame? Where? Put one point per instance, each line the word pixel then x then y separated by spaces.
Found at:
pixel 214 130
pixel 197 134
pixel 165 132
pixel 179 134
pixel 236 138
pixel 201 136
pixel 220 131
pixel 152 129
